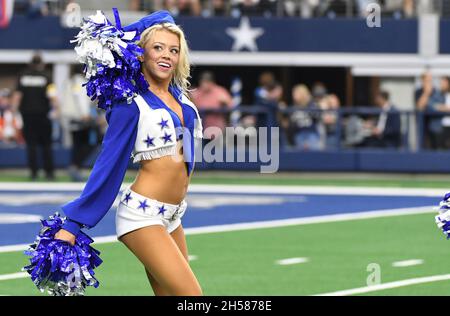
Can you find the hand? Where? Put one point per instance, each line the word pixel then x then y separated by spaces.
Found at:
pixel 63 234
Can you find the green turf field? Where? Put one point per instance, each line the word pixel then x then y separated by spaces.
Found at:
pixel 281 178
pixel 243 262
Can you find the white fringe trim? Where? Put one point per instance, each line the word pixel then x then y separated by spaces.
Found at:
pixel 155 153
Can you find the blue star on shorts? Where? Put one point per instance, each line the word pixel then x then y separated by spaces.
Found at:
pixel 162 210
pixel 127 197
pixel 143 205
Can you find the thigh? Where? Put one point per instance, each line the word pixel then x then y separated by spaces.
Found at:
pixel 180 239
pixel 160 255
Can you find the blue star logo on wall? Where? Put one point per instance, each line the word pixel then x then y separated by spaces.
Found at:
pixel 166 138
pixel 164 123
pixel 162 209
pixel 245 36
pixel 143 205
pixel 127 198
pixel 149 141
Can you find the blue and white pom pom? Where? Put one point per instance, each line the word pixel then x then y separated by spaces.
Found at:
pixel 110 56
pixel 58 267
pixel 443 219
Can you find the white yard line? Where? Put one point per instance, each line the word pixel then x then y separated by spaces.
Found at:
pixel 290 261
pixel 192 257
pixel 12 276
pixel 407 263
pixel 271 224
pixel 390 285
pixel 262 189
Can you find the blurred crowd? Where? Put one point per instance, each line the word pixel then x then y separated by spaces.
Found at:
pixel 237 8
pixel 310 120
pixel 37 115
pixel 434 101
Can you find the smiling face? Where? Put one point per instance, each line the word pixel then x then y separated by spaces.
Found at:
pixel 161 56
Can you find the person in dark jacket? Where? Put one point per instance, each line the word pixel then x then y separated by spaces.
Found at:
pixel 386 130
pixel 36 96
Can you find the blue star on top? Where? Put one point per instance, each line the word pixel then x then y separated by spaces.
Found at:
pixel 127 197
pixel 162 209
pixel 166 138
pixel 143 205
pixel 164 123
pixel 149 141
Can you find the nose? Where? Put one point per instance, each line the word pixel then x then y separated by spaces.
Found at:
pixel 166 54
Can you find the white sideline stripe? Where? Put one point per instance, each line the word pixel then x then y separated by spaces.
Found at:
pixel 262 189
pixel 270 224
pixel 390 285
pixel 407 263
pixel 12 276
pixel 289 261
pixel 192 257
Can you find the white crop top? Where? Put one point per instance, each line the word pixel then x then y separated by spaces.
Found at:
pixel 158 132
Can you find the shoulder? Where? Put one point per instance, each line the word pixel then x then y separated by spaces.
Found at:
pixel 222 89
pixel 123 110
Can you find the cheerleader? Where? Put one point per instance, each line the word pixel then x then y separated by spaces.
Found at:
pixel 158 127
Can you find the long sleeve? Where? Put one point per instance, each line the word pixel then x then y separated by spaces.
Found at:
pixel 109 170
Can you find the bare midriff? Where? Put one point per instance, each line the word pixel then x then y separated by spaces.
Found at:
pixel 164 179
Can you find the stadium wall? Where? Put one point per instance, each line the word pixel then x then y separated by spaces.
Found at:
pixel 348 161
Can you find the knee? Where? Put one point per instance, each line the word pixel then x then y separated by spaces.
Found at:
pixel 193 290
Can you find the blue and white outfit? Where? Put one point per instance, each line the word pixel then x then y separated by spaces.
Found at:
pixel 143 130
pixel 141 126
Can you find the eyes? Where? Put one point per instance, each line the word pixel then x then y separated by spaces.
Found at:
pixel 160 48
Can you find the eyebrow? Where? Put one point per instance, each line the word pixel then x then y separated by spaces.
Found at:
pixel 177 46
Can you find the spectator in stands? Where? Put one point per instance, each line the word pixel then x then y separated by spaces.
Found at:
pixel 268 94
pixel 386 130
pixel 442 123
pixel 183 7
pixel 37 8
pixel 319 92
pixel 246 8
pixel 215 8
pixel 35 96
pixel 331 105
pixel 211 96
pixel 78 112
pixel 303 8
pixel 10 121
pixel 303 127
pixel 332 8
pixel 426 98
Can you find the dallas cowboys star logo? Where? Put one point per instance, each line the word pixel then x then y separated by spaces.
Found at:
pixel 166 138
pixel 149 141
pixel 245 36
pixel 127 198
pixel 143 205
pixel 162 210
pixel 164 123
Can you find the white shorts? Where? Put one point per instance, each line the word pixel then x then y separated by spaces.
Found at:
pixel 136 211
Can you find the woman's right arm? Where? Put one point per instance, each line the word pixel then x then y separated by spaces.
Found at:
pixel 107 174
